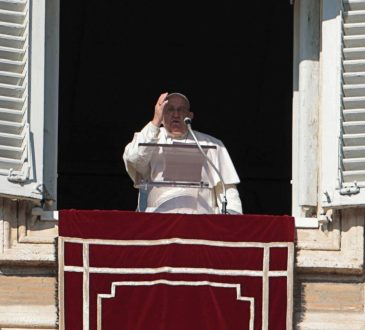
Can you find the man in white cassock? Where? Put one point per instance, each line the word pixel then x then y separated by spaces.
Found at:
pixel 146 164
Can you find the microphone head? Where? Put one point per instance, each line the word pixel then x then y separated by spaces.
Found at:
pixel 187 121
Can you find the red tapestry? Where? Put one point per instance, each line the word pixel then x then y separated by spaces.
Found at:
pixel 134 271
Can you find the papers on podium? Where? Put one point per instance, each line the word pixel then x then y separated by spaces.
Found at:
pixel 176 183
pixel 179 164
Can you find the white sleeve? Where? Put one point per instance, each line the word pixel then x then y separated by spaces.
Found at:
pixel 234 205
pixel 136 159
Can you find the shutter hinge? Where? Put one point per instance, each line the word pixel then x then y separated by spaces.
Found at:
pixel 23 176
pixel 350 190
pixel 17 177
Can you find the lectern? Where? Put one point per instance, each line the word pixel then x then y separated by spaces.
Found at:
pixel 180 179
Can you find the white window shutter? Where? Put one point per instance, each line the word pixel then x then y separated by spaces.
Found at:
pixel 350 189
pixel 22 99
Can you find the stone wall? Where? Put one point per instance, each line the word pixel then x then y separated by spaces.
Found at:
pixel 28 288
pixel 329 278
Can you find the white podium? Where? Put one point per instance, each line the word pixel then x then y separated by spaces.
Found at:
pixel 175 180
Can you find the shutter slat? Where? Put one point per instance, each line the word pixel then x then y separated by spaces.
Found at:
pixel 12 91
pixel 17 17
pixel 15 42
pixel 354 164
pixel 351 115
pixel 354 77
pixel 354 41
pixel 354 152
pixel 11 115
pixel 12 78
pixel 12 29
pixel 354 28
pixel 354 5
pixel 12 102
pixel 12 66
pixel 354 90
pixel 11 127
pixel 351 176
pixel 354 127
pixel 354 102
pixel 11 140
pixel 11 152
pixel 8 163
pixel 12 53
pixel 13 5
pixel 354 139
pixel 354 53
pixel 354 65
pixel 356 16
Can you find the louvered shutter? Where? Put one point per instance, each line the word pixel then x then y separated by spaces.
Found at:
pixel 351 187
pixel 22 98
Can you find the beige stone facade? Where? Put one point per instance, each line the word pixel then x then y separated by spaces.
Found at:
pixel 329 267
pixel 329 274
pixel 28 282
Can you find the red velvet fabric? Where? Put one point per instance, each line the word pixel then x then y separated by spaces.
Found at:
pixel 249 228
pixel 175 271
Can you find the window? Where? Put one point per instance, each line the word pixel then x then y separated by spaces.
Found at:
pixel 28 99
pixel 328 106
pixel 348 188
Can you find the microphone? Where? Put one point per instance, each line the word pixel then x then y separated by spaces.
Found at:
pixel 187 121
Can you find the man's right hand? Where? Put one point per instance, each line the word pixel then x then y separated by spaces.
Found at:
pixel 159 107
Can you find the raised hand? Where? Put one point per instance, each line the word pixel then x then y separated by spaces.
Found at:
pixel 159 107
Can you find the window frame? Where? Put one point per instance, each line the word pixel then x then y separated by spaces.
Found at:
pixel 317 122
pixel 43 54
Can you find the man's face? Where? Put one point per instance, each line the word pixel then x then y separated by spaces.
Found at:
pixel 173 117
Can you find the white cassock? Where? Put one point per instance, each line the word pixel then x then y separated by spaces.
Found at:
pixel 145 164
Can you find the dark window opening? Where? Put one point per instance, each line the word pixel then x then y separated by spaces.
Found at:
pixel 234 65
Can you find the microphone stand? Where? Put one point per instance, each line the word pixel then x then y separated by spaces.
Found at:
pixel 187 121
